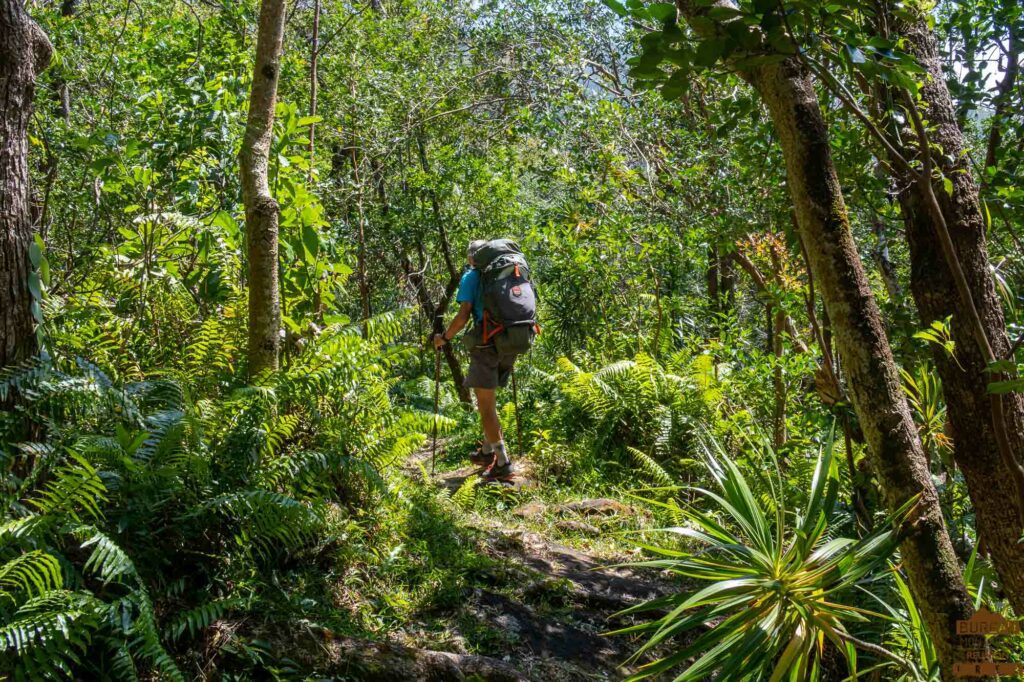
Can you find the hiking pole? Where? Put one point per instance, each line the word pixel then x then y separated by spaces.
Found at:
pixel 437 397
pixel 519 429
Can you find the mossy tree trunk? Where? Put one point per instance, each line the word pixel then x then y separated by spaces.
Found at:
pixel 261 210
pixel 24 53
pixel 994 493
pixel 872 376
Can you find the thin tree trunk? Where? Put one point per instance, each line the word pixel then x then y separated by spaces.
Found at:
pixel 871 372
pixel 314 85
pixel 261 210
pixel 993 491
pixel 712 285
pixel 885 267
pixel 24 53
pixel 727 283
pixel 761 284
pixel 435 204
pixel 435 314
pixel 63 91
pixel 778 380
pixel 1004 91
pixel 361 266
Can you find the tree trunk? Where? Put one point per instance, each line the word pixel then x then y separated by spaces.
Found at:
pixel 24 53
pixel 867 358
pixel 761 284
pixel 779 381
pixel 1004 91
pixel 314 85
pixel 874 381
pixel 261 210
pixel 993 492
pixel 885 267
pixel 712 278
pixel 727 283
pixel 364 282
pixel 436 315
pixel 62 90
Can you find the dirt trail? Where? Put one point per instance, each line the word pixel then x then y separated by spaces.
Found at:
pixel 534 611
pixel 553 624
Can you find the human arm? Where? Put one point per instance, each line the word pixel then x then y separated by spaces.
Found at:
pixel 461 318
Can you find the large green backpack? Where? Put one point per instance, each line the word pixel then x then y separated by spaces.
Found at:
pixel 510 303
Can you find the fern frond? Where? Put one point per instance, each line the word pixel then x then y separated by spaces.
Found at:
pixel 650 468
pixel 265 519
pixel 465 496
pixel 48 633
pixel 201 617
pixel 72 488
pixel 107 559
pixel 16 378
pixel 33 574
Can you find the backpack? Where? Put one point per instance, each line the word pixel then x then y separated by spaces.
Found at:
pixel 510 303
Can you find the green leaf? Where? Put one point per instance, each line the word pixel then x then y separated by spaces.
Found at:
pixel 947 184
pixel 35 286
pixel 1003 387
pixel 1000 366
pixel 646 72
pixel 35 254
pixel 311 240
pixel 675 86
pixel 720 13
pixel 616 7
pixel 855 54
pixel 662 10
pixel 709 51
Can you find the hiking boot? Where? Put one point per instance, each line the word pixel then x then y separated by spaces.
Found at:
pixel 498 473
pixel 481 458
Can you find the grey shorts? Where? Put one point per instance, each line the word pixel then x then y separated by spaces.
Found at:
pixel 489 369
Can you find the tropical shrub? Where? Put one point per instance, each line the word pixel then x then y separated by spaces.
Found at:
pixel 143 514
pixel 776 576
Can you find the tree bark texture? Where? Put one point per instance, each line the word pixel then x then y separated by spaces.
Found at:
pixel 873 379
pixel 993 492
pixel 871 371
pixel 261 210
pixel 24 53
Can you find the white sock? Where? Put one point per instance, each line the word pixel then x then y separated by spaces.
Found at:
pixel 500 457
pixel 487 448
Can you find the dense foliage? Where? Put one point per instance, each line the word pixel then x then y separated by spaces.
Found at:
pixel 169 514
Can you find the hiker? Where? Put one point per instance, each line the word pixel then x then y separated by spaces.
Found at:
pixel 496 292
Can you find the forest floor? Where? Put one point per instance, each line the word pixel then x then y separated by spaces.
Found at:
pixel 544 589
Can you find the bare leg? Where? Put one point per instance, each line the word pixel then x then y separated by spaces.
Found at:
pixel 487 404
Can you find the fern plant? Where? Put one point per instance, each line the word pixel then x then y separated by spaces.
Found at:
pixel 139 489
pixel 636 409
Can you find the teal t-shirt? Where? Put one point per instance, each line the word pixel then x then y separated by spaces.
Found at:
pixel 469 292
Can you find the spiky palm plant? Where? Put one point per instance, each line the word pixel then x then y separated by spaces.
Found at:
pixel 775 579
